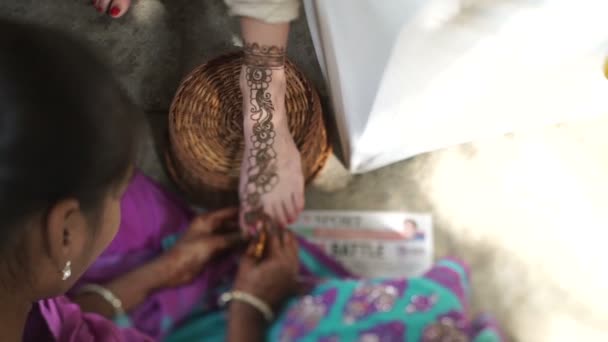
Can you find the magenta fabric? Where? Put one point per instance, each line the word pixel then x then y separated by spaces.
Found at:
pixel 66 323
pixel 150 215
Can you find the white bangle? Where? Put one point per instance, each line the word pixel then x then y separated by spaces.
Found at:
pixel 106 294
pixel 252 300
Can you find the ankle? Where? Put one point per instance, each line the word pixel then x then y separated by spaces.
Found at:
pixel 279 122
pixel 272 88
pixel 277 80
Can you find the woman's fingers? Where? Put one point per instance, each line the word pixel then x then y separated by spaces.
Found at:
pixel 223 214
pixel 219 243
pixel 291 250
pixel 293 245
pixel 283 246
pixel 217 218
pixel 229 226
pixel 197 226
pixel 211 222
pixel 242 224
pixel 248 260
pixel 275 246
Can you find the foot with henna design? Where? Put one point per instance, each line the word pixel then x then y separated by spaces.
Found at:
pixel 271 182
pixel 112 8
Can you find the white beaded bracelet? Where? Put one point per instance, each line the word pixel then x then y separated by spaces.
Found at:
pixel 252 300
pixel 106 294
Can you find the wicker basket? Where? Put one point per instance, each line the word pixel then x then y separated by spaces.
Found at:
pixel 206 130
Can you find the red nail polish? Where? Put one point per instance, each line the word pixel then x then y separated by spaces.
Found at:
pixel 114 11
pixel 99 9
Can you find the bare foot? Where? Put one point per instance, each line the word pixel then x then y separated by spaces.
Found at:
pixel 271 183
pixel 113 8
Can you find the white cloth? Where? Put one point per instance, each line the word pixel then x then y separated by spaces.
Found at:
pixel 412 76
pixel 270 11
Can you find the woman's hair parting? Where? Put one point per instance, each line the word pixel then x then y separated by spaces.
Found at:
pixel 67 130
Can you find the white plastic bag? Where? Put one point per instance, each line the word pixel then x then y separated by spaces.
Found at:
pixel 412 76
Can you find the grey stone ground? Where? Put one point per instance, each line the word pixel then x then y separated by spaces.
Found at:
pixel 535 241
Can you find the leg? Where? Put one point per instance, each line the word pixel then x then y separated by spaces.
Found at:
pixel 271 181
pixel 113 8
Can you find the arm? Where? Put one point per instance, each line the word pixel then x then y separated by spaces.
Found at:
pixel 272 281
pixel 245 324
pixel 257 31
pixel 269 11
pixel 207 236
pixel 132 289
pixel 178 266
pixel 67 322
pixel 265 45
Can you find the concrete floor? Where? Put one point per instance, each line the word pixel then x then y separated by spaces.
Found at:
pixel 529 211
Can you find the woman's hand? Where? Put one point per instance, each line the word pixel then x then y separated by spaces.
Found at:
pixel 273 279
pixel 208 235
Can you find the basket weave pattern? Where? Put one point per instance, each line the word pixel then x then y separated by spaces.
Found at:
pixel 206 130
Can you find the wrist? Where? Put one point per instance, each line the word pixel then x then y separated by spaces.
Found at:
pixel 92 302
pixel 159 272
pixel 238 310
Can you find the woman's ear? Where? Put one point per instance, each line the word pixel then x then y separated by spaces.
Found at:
pixel 62 227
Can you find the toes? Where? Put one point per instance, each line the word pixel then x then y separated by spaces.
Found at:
pixel 298 202
pixel 97 5
pixel 289 209
pixel 118 8
pixel 102 5
pixel 242 223
pixel 279 214
pixel 113 8
pixel 250 230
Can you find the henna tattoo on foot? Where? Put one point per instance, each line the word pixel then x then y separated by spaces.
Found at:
pixel 260 61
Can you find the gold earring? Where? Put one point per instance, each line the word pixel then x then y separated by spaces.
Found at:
pixel 67 270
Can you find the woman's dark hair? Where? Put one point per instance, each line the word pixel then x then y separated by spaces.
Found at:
pixel 66 127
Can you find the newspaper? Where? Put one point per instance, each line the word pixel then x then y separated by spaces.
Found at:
pixel 372 244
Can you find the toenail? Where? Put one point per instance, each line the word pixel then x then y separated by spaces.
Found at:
pixel 114 11
pixel 99 9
